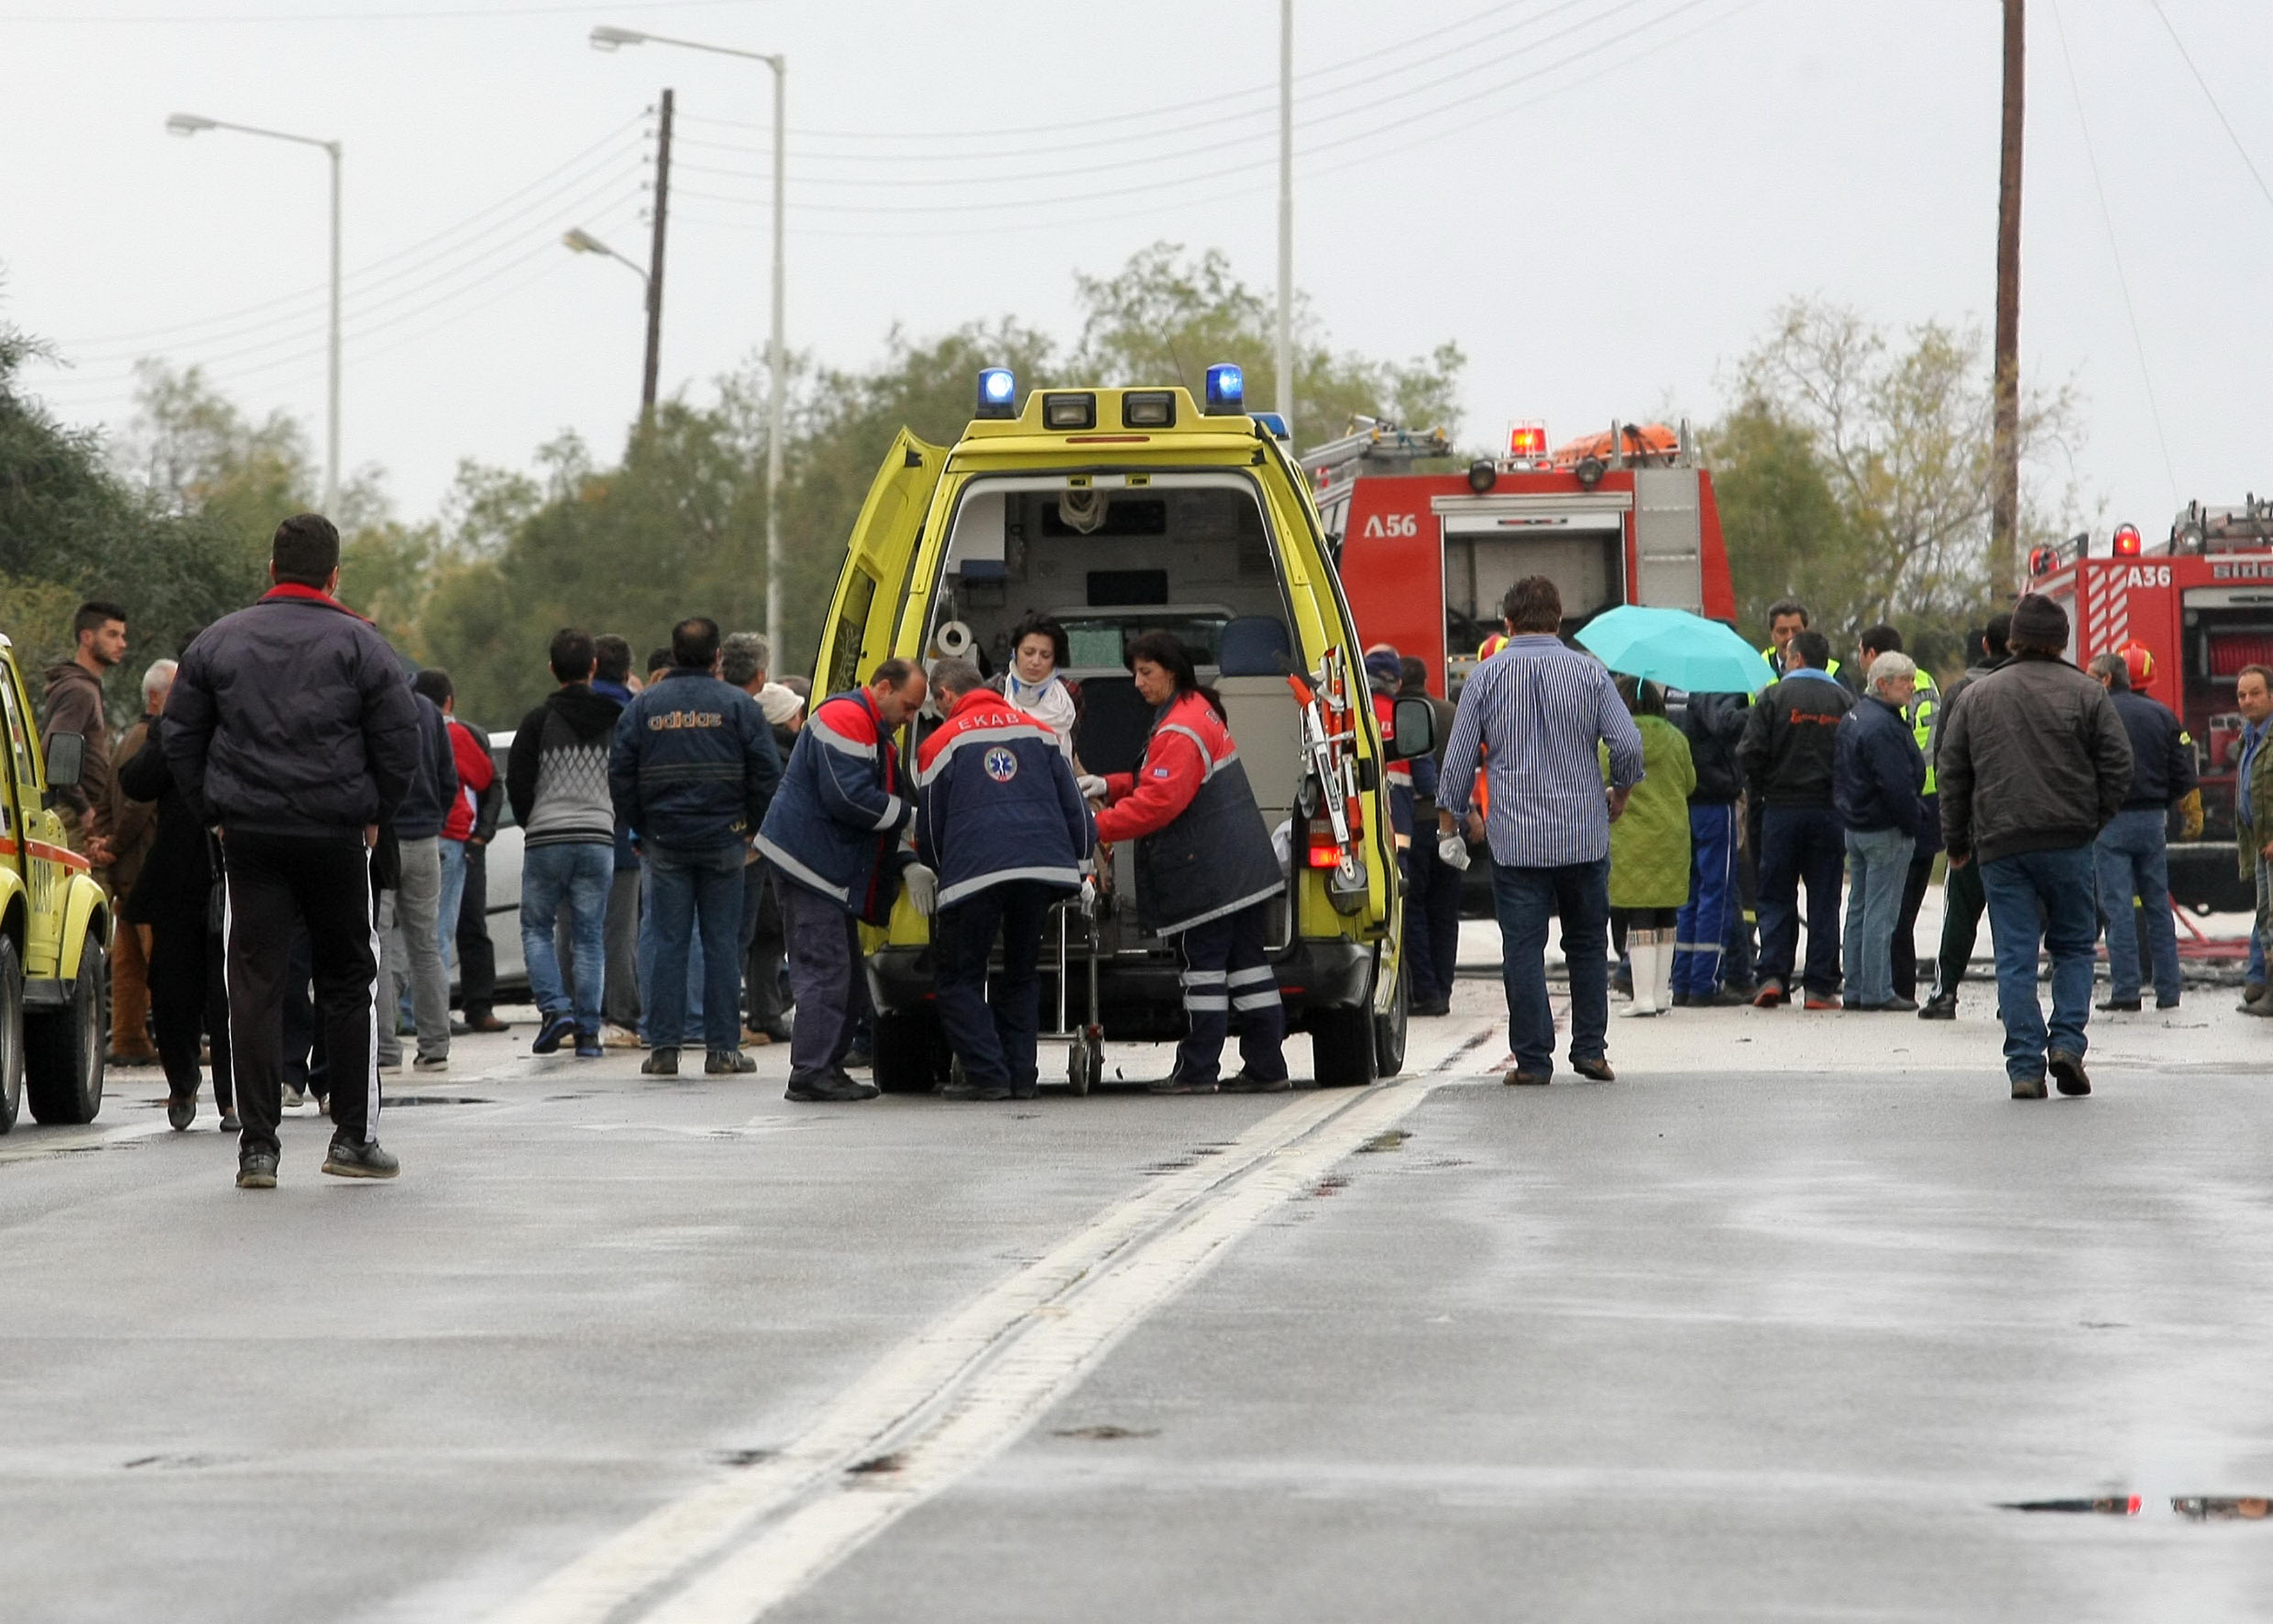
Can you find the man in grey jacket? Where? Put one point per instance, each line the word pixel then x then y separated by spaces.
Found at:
pixel 2033 764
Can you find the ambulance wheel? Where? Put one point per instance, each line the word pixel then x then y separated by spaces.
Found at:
pixel 909 1050
pixel 63 1049
pixel 1341 1047
pixel 1389 1030
pixel 11 1034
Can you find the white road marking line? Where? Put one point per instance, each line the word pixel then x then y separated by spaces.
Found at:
pixel 960 1391
pixel 90 1138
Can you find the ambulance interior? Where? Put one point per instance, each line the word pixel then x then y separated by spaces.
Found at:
pixel 1184 553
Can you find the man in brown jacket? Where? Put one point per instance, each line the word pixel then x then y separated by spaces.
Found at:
pixel 74 705
pixel 133 828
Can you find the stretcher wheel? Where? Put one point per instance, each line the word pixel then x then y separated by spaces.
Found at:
pixel 1084 1063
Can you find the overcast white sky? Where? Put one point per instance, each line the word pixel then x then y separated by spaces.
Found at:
pixel 1602 200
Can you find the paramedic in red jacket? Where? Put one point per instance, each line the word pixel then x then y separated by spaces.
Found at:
pixel 1205 872
pixel 1001 822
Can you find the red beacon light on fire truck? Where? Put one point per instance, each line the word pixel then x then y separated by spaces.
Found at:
pixel 2044 560
pixel 2126 540
pixel 1526 442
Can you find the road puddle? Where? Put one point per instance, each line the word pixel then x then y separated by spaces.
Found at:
pixel 2194 1507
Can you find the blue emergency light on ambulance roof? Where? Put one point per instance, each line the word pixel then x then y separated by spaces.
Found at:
pixel 2126 540
pixel 1226 390
pixel 1276 424
pixel 998 393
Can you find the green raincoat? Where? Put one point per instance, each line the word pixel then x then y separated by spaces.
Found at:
pixel 1649 846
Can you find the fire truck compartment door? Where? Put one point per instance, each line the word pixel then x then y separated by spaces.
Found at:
pixel 1668 539
pixel 2229 597
pixel 1492 542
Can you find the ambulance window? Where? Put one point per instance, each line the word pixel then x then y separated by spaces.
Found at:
pixel 852 627
pixel 20 748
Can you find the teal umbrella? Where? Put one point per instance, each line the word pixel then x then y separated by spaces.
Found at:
pixel 1677 648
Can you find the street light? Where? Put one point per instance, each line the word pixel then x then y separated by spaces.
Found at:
pixel 604 38
pixel 191 123
pixel 579 241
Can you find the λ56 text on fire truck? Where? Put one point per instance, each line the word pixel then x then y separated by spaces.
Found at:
pixel 2189 612
pixel 1623 517
pixel 1116 511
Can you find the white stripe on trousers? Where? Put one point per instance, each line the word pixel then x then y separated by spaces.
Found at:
pixel 370 1049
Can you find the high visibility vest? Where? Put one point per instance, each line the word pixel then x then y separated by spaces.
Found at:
pixel 1919 713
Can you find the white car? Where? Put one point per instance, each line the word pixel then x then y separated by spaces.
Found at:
pixel 503 903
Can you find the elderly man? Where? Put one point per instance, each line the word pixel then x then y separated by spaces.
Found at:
pixel 2253 807
pixel 1878 775
pixel 833 839
pixel 1001 823
pixel 2035 763
pixel 1537 715
pixel 2129 857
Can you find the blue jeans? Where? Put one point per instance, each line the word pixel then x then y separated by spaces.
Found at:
pixel 578 877
pixel 1878 866
pixel 1579 894
pixel 1705 918
pixel 692 889
pixel 644 956
pixel 2130 860
pixel 1800 843
pixel 2042 896
pixel 453 897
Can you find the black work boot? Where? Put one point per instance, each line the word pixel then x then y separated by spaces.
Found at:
pixel 727 1063
pixel 660 1063
pixel 347 1159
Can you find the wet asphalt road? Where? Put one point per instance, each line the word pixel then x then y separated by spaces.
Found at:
pixel 1765 1330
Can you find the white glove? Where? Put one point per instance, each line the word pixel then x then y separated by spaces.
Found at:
pixel 1452 852
pixel 922 888
pixel 1091 787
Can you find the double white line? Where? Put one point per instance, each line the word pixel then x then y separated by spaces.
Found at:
pixel 958 1393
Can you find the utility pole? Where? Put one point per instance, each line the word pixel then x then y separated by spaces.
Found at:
pixel 1285 368
pixel 655 265
pixel 2005 538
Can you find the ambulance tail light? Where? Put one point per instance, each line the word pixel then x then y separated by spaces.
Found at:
pixel 998 393
pixel 2126 540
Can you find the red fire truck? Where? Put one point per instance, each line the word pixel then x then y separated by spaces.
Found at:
pixel 1624 517
pixel 2201 605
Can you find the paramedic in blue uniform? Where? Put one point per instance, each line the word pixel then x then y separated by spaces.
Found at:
pixel 1205 872
pixel 1001 822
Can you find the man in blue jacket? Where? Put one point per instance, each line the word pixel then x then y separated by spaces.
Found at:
pixel 692 771
pixel 834 838
pixel 1001 823
pixel 1877 780
pixel 2129 860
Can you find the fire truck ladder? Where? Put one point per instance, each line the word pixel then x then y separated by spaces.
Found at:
pixel 1374 443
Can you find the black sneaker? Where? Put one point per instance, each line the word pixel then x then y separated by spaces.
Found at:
pixel 829 1091
pixel 2119 1006
pixel 588 1046
pixel 557 1030
pixel 256 1169
pixel 2067 1072
pixel 660 1063
pixel 1177 1085
pixel 345 1160
pixel 181 1111
pixel 231 1123
pixel 975 1091
pixel 727 1063
pixel 1242 1083
pixel 1940 1006
pixel 2166 1003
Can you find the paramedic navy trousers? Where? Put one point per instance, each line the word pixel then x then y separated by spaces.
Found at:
pixel 1226 970
pixel 995 1040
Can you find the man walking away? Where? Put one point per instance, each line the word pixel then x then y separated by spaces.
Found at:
pixel 1789 742
pixel 1432 910
pixel 2034 762
pixel 1536 715
pixel 291 729
pixel 1713 723
pixel 74 705
pixel 1878 776
pixel 556 778
pixel 2252 805
pixel 411 910
pixel 692 771
pixel 833 839
pixel 1962 902
pixel 1002 827
pixel 2129 858
pixel 133 830
pixel 611 679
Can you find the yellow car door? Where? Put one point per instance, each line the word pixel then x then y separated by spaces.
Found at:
pixel 879 565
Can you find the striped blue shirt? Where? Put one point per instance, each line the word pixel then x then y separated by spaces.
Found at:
pixel 1535 712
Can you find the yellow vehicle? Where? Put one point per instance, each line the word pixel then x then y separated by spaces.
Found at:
pixel 55 929
pixel 1119 511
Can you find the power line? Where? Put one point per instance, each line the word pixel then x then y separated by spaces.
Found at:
pixel 2115 250
pixel 2225 123
pixel 448 15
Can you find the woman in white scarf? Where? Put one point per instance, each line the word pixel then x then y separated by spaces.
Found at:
pixel 1038 648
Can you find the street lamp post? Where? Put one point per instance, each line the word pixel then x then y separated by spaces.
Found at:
pixel 579 241
pixel 191 124
pixel 1286 368
pixel 607 39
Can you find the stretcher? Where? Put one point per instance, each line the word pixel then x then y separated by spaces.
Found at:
pixel 1080 942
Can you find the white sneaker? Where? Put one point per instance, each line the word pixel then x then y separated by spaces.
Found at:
pixel 294 1098
pixel 430 1063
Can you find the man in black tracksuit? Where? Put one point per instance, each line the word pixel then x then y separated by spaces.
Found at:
pixel 292 729
pixel 1787 752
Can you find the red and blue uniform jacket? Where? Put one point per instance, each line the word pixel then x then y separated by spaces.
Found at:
pixel 998 802
pixel 836 821
pixel 1201 851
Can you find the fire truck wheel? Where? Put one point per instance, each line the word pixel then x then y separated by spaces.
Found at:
pixel 1389 1030
pixel 63 1049
pixel 911 1051
pixel 11 1034
pixel 1341 1047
